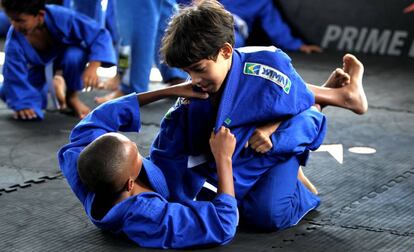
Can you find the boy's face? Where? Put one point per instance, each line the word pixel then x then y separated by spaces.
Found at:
pixel 210 75
pixel 26 23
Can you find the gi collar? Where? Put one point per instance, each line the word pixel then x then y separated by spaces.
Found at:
pixel 156 178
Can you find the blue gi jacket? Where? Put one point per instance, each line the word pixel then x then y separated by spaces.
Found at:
pixel 261 86
pixel 147 218
pixel 24 79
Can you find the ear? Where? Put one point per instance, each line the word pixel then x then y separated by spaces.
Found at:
pixel 41 15
pixel 130 184
pixel 226 50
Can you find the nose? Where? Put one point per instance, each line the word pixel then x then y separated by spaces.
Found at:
pixel 196 80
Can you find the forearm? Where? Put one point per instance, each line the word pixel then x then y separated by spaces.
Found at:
pixel 118 115
pixel 152 96
pixel 184 90
pixel 302 132
pixel 225 177
pixel 271 127
pixel 94 64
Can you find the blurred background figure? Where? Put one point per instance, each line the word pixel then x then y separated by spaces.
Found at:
pixel 4 24
pixel 141 27
pixel 264 13
pixel 102 11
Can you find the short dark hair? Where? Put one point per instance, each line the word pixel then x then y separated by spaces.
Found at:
pixel 31 7
pixel 101 166
pixel 197 32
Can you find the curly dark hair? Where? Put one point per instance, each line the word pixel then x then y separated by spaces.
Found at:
pixel 197 32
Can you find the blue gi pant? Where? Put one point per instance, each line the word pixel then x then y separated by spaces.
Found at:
pixel 93 8
pixel 141 26
pixel 72 62
pixel 278 198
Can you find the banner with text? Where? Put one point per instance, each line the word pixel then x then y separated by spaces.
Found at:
pixel 374 26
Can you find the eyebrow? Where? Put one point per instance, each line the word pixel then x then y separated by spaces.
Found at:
pixel 196 65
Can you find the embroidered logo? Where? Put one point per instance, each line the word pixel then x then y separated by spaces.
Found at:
pixel 268 73
pixel 227 121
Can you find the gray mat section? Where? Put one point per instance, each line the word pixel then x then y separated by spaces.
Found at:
pixel 28 149
pixel 333 238
pixel 50 218
pixel 390 133
pixel 388 209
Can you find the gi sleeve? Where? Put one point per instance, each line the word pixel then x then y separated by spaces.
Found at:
pixel 299 134
pixel 121 114
pixel 155 223
pixel 277 30
pixel 18 93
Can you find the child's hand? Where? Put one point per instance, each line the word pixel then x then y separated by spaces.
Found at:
pixel 260 140
pixel 90 77
pixel 222 144
pixel 186 90
pixel 25 114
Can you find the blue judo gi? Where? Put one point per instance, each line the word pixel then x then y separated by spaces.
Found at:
pixel 261 86
pixel 78 39
pixel 141 26
pixel 147 218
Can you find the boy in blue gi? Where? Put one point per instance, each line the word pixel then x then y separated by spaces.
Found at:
pixel 45 34
pixel 127 194
pixel 250 90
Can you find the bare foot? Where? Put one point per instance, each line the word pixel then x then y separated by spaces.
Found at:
pixel 306 182
pixel 59 85
pixel 337 79
pixel 108 97
pixel 355 98
pixel 112 83
pixel 80 108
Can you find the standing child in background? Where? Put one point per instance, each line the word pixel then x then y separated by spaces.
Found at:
pixel 45 34
pixel 141 27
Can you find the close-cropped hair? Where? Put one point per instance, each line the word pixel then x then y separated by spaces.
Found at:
pixel 31 7
pixel 100 165
pixel 197 32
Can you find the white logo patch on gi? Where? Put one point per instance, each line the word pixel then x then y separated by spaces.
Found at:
pixel 268 73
